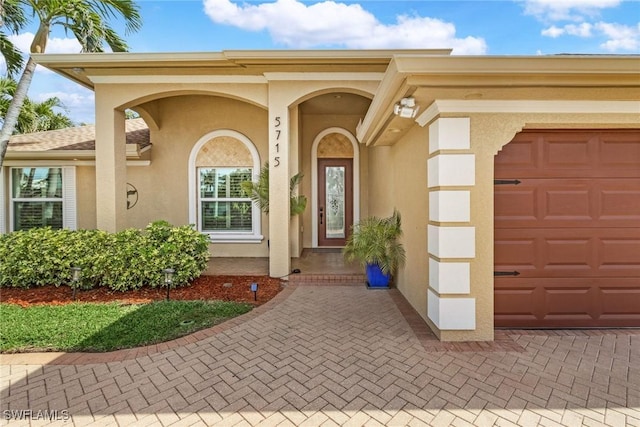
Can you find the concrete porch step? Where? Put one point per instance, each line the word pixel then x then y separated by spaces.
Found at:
pixel 327 279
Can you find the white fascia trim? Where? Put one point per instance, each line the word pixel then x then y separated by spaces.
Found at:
pixel 54 162
pixel 3 206
pixel 149 78
pixel 444 106
pixel 327 76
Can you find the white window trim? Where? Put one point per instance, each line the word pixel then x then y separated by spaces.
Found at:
pixel 69 210
pixel 254 236
pixel 3 206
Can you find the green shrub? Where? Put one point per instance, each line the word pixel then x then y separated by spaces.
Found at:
pixel 121 261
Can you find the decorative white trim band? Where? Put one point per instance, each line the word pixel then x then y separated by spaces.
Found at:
pixel 494 106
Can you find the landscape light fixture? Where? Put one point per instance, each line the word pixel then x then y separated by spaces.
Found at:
pixel 254 289
pixel 406 108
pixel 168 279
pixel 76 275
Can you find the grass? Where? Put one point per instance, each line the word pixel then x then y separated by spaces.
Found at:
pixel 93 327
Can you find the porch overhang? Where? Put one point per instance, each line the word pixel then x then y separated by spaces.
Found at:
pixel 438 77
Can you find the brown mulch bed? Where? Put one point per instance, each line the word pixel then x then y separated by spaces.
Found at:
pixel 202 288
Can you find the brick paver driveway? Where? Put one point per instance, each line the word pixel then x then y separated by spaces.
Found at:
pixel 335 355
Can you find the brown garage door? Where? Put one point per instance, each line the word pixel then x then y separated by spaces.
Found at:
pixel 567 229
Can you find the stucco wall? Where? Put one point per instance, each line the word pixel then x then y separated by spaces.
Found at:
pixel 163 186
pixel 410 197
pixel 380 181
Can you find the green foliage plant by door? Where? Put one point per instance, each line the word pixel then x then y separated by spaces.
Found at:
pixel 376 241
pixel 258 192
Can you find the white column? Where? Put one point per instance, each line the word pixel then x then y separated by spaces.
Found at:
pixel 450 247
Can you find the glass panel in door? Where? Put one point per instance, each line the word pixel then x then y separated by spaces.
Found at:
pixel 335 201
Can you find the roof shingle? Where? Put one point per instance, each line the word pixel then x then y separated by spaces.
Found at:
pixel 76 138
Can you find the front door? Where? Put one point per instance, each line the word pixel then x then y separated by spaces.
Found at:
pixel 335 201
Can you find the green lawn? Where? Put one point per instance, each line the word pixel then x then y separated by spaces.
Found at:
pixel 104 327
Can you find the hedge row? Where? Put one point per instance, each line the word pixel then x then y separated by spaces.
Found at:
pixel 121 261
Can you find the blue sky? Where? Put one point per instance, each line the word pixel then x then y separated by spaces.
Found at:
pixel 474 27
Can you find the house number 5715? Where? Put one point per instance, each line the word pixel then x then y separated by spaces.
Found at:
pixel 276 159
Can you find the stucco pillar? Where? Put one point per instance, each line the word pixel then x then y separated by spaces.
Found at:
pixel 279 163
pixel 111 168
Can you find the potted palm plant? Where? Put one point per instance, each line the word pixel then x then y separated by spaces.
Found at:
pixel 374 242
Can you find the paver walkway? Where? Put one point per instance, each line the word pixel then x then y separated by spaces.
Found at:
pixel 335 355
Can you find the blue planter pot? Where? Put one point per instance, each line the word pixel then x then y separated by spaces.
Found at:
pixel 375 277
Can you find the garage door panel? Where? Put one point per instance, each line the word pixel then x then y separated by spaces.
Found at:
pixel 566 302
pixel 551 203
pixel 620 301
pixel 519 156
pixel 619 154
pixel 570 154
pixel 516 205
pixel 580 252
pixel 515 303
pixel 564 154
pixel 621 252
pixel 569 302
pixel 621 203
pixel 515 253
pixel 567 255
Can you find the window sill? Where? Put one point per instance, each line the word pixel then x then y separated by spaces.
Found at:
pixel 235 238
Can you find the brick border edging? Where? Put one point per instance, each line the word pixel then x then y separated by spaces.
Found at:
pixel 56 358
pixel 502 341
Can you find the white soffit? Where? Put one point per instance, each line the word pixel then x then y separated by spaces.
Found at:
pixel 444 106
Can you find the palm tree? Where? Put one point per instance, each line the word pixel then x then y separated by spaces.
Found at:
pixel 12 17
pixel 34 116
pixel 88 20
pixel 258 192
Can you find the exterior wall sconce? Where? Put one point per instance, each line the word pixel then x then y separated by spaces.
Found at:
pixel 76 275
pixel 168 279
pixel 406 108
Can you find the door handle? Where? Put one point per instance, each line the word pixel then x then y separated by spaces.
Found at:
pixel 321 214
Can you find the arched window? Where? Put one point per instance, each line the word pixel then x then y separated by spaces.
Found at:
pixel 219 162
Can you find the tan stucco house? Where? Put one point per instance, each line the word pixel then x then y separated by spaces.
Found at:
pixel 518 178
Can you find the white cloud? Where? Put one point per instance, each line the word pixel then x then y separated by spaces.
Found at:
pixel 616 37
pixel 328 23
pixel 79 103
pixel 620 37
pixel 54 44
pixel 581 30
pixel 567 10
pixel 553 32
